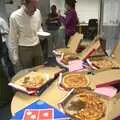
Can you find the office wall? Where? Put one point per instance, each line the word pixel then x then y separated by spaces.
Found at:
pixel 3 9
pixel 86 9
pixel 44 7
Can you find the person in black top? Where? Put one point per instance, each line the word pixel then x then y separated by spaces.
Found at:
pixel 6 92
pixel 5 60
pixel 53 24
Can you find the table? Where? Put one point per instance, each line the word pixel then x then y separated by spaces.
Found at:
pixel 52 96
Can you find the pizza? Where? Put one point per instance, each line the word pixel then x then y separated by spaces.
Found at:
pixel 104 63
pixel 68 57
pixel 94 109
pixel 74 80
pixel 31 80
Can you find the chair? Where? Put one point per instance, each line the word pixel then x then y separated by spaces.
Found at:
pixel 92 29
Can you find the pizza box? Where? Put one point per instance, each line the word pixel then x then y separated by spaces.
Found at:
pixel 72 45
pixel 39 110
pixel 114 58
pixel 48 75
pixel 68 103
pixel 107 78
pixel 90 49
pixel 66 60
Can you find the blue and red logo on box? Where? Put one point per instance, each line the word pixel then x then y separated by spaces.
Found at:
pixel 40 110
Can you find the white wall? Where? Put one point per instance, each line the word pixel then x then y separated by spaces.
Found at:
pixel 86 9
pixel 44 7
pixel 12 7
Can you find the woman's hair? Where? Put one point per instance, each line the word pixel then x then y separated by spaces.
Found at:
pixel 70 3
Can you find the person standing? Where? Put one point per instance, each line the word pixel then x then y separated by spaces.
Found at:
pixel 24 43
pixel 53 24
pixel 5 60
pixel 70 20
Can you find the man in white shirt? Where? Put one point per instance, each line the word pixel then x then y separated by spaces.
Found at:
pixel 6 63
pixel 24 44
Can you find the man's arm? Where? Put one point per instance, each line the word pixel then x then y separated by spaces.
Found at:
pixel 13 40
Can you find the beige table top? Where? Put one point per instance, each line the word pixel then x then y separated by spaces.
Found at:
pixel 52 95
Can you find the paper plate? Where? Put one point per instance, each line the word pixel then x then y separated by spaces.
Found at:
pixel 45 34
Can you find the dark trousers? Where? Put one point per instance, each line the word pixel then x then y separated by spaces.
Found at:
pixel 5 91
pixel 66 40
pixel 6 62
pixel 44 46
pixel 30 56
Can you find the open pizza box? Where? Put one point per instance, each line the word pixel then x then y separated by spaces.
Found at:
pixel 71 104
pixel 95 47
pixel 99 79
pixel 103 78
pixel 92 48
pixel 72 45
pixel 103 62
pixel 34 80
pixel 110 77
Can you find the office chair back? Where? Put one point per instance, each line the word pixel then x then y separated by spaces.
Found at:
pixel 92 29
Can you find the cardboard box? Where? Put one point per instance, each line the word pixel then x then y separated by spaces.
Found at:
pixel 90 49
pixel 108 78
pixel 71 95
pixel 48 73
pixel 39 110
pixel 104 78
pixel 72 45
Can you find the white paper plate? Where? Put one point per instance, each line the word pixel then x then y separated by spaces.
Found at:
pixel 46 34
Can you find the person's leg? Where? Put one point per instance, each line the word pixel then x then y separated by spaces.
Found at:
pixel 44 47
pixel 7 62
pixel 6 92
pixel 37 55
pixel 55 40
pixel 66 40
pixel 50 43
pixel 25 56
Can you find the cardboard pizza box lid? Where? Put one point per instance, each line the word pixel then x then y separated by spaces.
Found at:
pixel 72 45
pixel 94 45
pixel 116 52
pixel 105 78
pixel 75 41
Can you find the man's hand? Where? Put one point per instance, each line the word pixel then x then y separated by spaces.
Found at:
pixel 15 60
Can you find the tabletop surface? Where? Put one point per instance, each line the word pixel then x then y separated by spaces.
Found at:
pixel 52 96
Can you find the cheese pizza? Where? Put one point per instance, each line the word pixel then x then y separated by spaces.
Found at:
pixel 104 63
pixel 31 80
pixel 94 109
pixel 75 80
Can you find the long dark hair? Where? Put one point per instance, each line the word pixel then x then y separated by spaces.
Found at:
pixel 70 3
